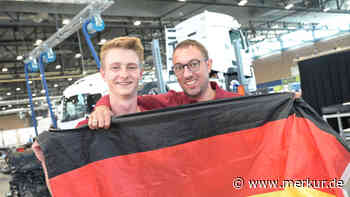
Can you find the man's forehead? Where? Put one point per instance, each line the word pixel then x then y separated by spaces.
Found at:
pixel 123 56
pixel 187 53
pixel 121 62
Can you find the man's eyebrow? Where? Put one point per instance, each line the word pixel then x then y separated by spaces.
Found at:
pixel 187 62
pixel 115 64
pixel 194 59
pixel 119 63
pixel 132 63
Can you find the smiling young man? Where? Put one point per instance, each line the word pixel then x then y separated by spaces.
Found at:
pixel 121 69
pixel 192 66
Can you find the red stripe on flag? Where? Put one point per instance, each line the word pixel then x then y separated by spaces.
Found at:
pixel 292 148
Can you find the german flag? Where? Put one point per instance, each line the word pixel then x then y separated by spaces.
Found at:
pixel 262 146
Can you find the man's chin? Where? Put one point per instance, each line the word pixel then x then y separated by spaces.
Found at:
pixel 192 93
pixel 126 93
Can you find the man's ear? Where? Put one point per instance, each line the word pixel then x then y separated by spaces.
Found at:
pixel 102 72
pixel 141 72
pixel 210 63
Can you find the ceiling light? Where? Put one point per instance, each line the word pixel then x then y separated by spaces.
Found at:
pixel 58 66
pixel 10 105
pixel 33 94
pixel 18 89
pixel 289 6
pixel 243 2
pixel 28 105
pixel 3 108
pixel 8 94
pixel 66 21
pixel 182 0
pixel 38 42
pixel 5 70
pixel 70 79
pixel 137 23
pixel 36 103
pixel 30 82
pixel 326 9
pixel 42 91
pixel 78 55
pixel 19 58
pixel 56 85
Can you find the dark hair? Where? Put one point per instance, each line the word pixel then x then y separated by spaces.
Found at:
pixel 198 45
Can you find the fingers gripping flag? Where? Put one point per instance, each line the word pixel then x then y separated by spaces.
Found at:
pixel 262 146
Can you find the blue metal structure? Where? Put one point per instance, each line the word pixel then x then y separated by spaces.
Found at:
pixel 43 79
pixel 91 26
pixel 30 99
pixel 45 54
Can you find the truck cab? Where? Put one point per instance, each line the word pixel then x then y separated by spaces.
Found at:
pixel 79 100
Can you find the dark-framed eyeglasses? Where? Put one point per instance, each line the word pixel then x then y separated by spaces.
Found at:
pixel 193 66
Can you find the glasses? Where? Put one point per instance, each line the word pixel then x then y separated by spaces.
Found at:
pixel 193 66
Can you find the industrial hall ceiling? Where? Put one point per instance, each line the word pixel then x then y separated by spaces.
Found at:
pixel 24 22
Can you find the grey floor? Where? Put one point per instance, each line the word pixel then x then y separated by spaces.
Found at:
pixel 4 184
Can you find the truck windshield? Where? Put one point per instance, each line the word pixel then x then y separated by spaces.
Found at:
pixel 78 106
pixel 236 35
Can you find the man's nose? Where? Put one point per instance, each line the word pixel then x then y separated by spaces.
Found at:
pixel 123 73
pixel 187 72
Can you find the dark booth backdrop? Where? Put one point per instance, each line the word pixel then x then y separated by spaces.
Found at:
pixel 325 80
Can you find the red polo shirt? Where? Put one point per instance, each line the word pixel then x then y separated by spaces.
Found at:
pixel 169 99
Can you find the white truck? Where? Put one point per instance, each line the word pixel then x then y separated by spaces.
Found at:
pixel 79 100
pixel 226 45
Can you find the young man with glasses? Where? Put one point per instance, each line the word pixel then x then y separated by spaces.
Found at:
pixel 192 66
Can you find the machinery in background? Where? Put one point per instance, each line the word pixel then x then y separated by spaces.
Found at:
pixel 27 176
pixel 226 44
pixel 4 168
pixel 79 100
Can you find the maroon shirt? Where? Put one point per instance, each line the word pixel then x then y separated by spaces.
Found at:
pixel 169 99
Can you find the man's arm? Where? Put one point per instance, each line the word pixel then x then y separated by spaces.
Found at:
pixel 40 156
pixel 101 116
